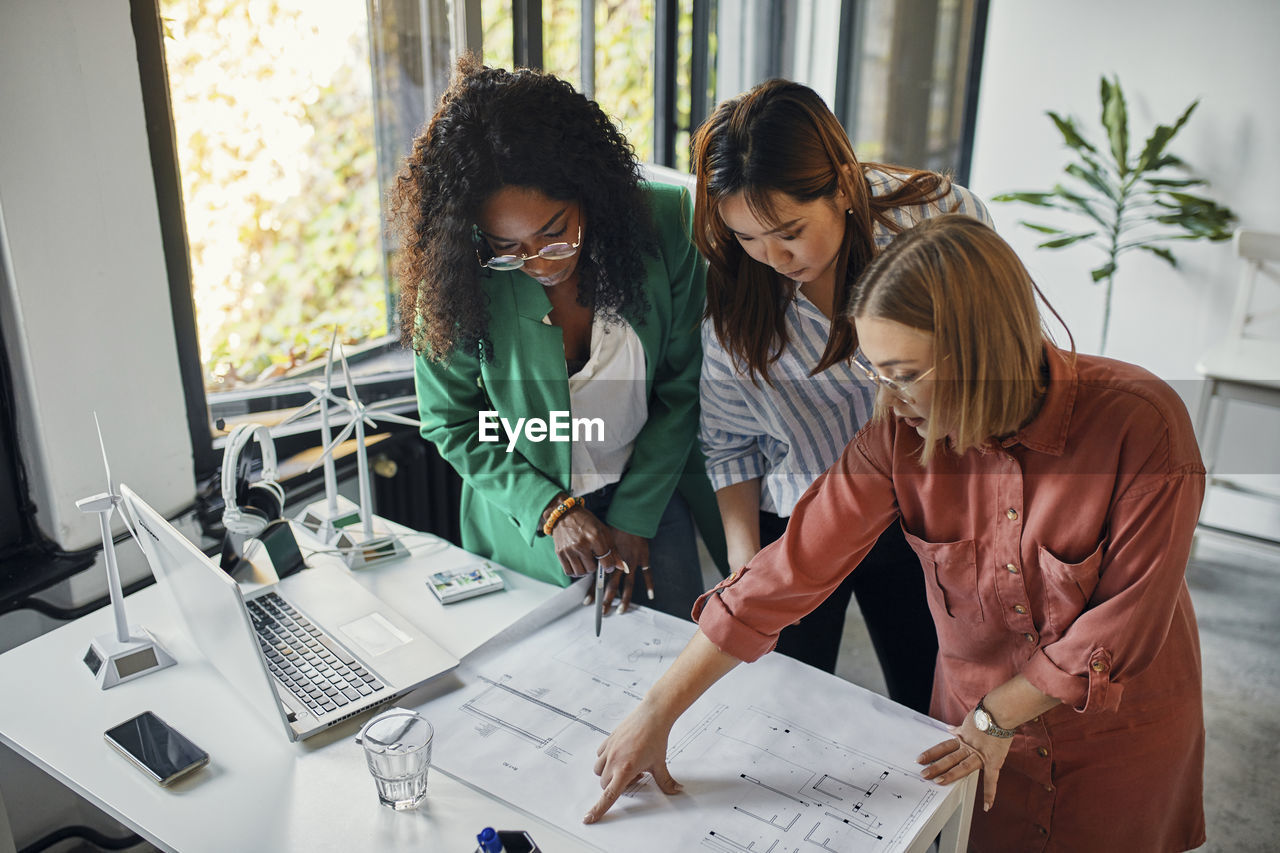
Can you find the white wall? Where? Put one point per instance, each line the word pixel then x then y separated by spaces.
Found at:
pixel 1042 56
pixel 86 312
pixel 85 307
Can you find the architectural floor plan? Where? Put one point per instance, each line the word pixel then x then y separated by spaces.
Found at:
pixel 776 758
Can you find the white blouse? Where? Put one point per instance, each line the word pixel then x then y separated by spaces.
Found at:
pixel 609 406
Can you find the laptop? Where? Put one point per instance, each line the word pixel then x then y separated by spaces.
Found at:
pixel 307 652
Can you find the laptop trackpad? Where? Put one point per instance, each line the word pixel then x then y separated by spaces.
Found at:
pixel 373 635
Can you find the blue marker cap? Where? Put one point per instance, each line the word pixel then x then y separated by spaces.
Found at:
pixel 489 840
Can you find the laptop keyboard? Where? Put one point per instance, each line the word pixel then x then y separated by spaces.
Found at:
pixel 314 668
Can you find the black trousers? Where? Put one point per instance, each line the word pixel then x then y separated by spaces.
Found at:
pixel 889 586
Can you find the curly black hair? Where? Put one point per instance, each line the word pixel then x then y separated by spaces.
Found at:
pixel 494 129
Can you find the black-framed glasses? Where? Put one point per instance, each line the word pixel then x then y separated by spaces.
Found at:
pixel 549 252
pixel 901 390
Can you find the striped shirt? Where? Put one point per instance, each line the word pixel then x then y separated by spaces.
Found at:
pixel 789 432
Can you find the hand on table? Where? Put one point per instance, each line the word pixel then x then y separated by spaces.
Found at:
pixel 968 751
pixel 579 538
pixel 637 746
pixel 634 551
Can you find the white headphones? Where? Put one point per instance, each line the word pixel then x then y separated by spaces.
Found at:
pixel 264 498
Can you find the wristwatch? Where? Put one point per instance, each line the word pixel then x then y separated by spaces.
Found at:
pixel 986 723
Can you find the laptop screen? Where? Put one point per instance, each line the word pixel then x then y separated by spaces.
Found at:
pixel 210 604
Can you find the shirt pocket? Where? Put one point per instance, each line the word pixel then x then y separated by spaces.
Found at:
pixel 1068 586
pixel 951 576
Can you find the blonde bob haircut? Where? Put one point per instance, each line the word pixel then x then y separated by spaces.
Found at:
pixel 955 278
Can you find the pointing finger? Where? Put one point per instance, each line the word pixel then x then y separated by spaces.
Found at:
pixel 611 793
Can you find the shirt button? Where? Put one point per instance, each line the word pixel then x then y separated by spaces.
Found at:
pixel 1013 514
pixel 1042 830
pixel 1013 570
pixel 1042 752
pixel 1048 787
pixel 1018 608
pixel 1030 638
pixel 1099 666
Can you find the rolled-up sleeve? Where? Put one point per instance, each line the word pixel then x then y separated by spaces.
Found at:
pixel 1140 587
pixel 728 429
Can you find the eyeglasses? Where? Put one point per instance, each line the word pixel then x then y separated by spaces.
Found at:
pixel 549 252
pixel 901 390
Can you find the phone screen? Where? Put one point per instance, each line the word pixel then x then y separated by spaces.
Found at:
pixel 282 548
pixel 156 747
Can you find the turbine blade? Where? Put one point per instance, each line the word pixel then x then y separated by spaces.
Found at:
pixel 346 374
pixel 111 484
pixel 328 365
pixel 302 412
pixel 397 419
pixel 328 451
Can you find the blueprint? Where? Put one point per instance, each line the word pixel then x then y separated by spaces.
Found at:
pixel 776 758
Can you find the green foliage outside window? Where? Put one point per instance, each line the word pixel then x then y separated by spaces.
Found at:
pixel 272 105
pixel 624 56
pixel 272 108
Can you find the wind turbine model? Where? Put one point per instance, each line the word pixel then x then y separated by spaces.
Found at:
pixel 369 541
pixel 127 653
pixel 329 516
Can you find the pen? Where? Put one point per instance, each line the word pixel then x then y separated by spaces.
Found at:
pixel 599 595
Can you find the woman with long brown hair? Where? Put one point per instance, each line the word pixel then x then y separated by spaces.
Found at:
pixel 788 217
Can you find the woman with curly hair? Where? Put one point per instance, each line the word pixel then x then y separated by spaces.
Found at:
pixel 553 301
pixel 788 217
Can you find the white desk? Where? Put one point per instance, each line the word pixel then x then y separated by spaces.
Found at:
pixel 261 792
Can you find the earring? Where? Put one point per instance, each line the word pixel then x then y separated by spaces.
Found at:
pixel 849 211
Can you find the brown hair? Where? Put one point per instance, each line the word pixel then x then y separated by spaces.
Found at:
pixel 957 279
pixel 780 137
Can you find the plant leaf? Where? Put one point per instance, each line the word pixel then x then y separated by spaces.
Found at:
pixel 1081 204
pixel 1040 199
pixel 1174 182
pixel 1103 271
pixel 1063 242
pixel 1094 180
pixel 1067 127
pixel 1162 253
pixel 1043 229
pixel 1160 138
pixel 1166 160
pixel 1115 118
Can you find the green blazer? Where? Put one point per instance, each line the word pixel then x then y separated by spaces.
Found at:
pixel 504 493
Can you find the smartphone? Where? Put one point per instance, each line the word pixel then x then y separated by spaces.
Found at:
pixel 156 748
pixel 282 548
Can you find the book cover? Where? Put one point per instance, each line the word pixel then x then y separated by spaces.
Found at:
pixel 465 582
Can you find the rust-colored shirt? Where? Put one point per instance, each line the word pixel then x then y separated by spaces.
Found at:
pixel 1058 553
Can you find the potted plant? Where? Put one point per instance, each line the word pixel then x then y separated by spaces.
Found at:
pixel 1126 199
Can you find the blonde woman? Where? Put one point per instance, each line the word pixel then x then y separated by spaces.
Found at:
pixel 1052 499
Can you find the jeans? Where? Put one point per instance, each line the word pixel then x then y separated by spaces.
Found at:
pixel 673 556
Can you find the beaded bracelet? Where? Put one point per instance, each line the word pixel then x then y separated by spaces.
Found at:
pixel 563 507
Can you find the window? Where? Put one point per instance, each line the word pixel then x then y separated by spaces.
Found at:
pixel 289 118
pixel 273 112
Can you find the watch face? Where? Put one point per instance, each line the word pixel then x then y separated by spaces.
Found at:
pixel 981 720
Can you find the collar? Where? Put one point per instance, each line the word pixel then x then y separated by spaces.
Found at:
pixel 530 297
pixel 1047 432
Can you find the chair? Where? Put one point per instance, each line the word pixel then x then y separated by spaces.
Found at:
pixel 1245 366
